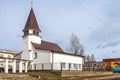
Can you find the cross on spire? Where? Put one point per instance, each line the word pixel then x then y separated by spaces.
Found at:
pixel 31 3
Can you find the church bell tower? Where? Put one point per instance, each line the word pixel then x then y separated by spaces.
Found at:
pixel 32 33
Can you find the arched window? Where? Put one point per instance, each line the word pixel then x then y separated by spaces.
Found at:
pixel 35 55
pixel 26 33
pixel 36 33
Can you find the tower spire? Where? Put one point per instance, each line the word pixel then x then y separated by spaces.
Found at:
pixel 32 22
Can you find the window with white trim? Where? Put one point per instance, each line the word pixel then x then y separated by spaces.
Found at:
pixel 63 65
pixel 75 66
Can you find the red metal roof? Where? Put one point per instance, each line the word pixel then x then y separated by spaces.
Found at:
pixel 47 46
pixel 51 47
pixel 111 59
pixel 31 21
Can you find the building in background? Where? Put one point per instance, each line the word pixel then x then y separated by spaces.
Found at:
pixel 7 54
pixel 111 63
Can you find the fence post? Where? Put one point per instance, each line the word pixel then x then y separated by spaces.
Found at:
pixel 42 67
pixel 69 66
pixel 52 66
pixel 35 66
pixel 76 67
pixel 61 66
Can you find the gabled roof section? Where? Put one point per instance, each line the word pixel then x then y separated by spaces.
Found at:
pixel 47 46
pixel 31 22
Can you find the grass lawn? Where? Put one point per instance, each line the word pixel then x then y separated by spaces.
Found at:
pixel 47 75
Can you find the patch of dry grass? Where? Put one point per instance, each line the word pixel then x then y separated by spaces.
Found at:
pixel 47 75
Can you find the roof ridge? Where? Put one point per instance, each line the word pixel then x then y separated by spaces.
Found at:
pixel 49 42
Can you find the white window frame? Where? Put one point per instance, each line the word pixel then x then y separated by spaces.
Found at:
pixel 75 66
pixel 63 65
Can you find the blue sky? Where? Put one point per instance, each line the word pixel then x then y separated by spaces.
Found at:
pixel 95 22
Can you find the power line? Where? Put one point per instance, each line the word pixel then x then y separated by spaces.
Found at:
pixel 98 18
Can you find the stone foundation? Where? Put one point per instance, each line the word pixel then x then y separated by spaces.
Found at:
pixel 82 74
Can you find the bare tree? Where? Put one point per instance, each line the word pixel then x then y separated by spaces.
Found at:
pixel 82 52
pixel 75 45
pixel 93 57
pixel 85 58
pixel 89 58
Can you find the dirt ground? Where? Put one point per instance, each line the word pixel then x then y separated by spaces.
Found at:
pixel 115 77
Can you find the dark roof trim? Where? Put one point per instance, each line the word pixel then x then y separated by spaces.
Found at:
pixel 67 53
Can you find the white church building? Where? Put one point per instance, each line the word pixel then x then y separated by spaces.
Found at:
pixel 38 54
pixel 45 55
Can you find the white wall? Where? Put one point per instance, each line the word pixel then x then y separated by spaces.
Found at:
pixel 25 53
pixel 27 46
pixel 59 57
pixel 67 59
pixel 30 38
pixel 48 57
pixel 42 56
